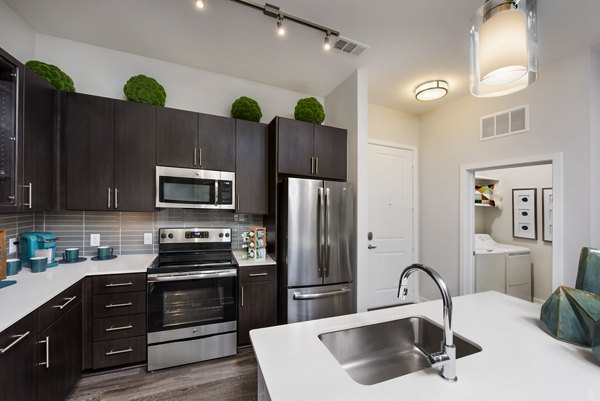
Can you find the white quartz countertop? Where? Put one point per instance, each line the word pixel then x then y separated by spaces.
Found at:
pixel 239 257
pixel 518 362
pixel 32 290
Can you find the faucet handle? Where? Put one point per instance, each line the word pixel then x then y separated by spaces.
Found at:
pixel 403 288
pixel 438 358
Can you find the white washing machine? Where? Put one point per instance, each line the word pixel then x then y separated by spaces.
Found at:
pixel 502 267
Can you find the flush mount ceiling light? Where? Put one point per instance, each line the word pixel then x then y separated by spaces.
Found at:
pixel 280 27
pixel 431 90
pixel 200 4
pixel 503 47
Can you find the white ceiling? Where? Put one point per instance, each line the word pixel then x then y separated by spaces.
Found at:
pixel 412 41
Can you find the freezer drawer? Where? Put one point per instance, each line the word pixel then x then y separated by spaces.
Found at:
pixel 319 302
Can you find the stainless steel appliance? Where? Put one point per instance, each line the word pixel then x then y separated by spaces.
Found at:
pixel 315 231
pixel 192 188
pixel 192 304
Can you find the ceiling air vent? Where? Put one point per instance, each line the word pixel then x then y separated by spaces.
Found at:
pixel 504 123
pixel 349 46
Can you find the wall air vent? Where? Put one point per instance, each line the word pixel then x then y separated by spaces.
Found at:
pixel 349 46
pixel 504 123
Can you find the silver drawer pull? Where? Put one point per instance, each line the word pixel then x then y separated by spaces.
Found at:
pixel 129 326
pixel 118 305
pixel 122 351
pixel 69 300
pixel 47 362
pixel 119 284
pixel 258 274
pixel 18 338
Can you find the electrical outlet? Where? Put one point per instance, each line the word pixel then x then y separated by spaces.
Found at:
pixel 147 238
pixel 12 247
pixel 94 239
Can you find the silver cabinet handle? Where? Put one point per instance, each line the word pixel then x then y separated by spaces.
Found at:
pixel 195 157
pixel 372 246
pixel 47 362
pixel 242 296
pixel 200 157
pixel 129 326
pixel 109 194
pixel 258 274
pixel 123 351
pixel 116 198
pixel 109 306
pixel 69 300
pixel 30 204
pixel 312 165
pixel 127 284
pixel 18 338
pixel 237 201
pixel 301 297
pixel 316 165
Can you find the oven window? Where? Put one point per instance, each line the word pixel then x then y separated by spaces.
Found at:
pixel 187 190
pixel 194 306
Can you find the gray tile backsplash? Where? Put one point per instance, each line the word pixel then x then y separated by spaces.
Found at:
pixel 122 230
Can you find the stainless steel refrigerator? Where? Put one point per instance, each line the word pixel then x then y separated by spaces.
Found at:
pixel 316 228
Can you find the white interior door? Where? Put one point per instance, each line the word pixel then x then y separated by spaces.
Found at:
pixel 390 221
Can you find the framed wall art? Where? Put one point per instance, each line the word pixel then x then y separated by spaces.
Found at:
pixel 524 214
pixel 547 215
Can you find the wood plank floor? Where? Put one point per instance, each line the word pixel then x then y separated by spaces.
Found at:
pixel 225 379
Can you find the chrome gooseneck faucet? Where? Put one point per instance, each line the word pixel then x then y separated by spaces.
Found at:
pixel 446 358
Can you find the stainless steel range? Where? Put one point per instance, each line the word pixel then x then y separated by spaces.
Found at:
pixel 192 297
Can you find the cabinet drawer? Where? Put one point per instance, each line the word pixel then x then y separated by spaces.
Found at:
pixel 119 352
pixel 59 305
pixel 117 283
pixel 111 328
pixel 128 303
pixel 250 274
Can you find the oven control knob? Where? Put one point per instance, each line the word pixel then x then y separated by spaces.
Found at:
pixel 226 235
pixel 221 235
pixel 163 236
pixel 170 236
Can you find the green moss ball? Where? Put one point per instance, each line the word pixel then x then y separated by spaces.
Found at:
pixel 246 108
pixel 309 110
pixel 143 89
pixel 52 74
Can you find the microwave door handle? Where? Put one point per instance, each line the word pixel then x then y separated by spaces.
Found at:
pixel 216 192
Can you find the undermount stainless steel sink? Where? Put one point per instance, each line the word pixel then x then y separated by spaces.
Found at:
pixel 379 352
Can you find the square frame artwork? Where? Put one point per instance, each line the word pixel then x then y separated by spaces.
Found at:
pixel 547 215
pixel 524 213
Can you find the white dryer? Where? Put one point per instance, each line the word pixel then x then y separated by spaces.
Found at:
pixel 502 267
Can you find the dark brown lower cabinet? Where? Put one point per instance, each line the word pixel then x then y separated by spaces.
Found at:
pixel 257 296
pixel 59 356
pixel 17 360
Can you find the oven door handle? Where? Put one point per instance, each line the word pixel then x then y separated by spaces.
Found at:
pixel 202 265
pixel 154 278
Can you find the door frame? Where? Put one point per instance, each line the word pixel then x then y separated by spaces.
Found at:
pixel 467 214
pixel 413 284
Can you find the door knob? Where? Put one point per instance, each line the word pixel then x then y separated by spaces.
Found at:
pixel 370 236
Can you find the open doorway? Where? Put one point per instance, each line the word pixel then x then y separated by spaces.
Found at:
pixel 501 224
pixel 513 231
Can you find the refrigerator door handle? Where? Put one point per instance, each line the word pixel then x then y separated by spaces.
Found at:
pixel 320 233
pixel 327 246
pixel 303 297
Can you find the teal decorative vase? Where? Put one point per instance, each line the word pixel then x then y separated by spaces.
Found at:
pixel 571 315
pixel 588 274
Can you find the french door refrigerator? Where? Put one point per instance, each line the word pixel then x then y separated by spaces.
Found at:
pixel 315 240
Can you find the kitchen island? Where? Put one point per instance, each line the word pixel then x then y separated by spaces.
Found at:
pixel 518 361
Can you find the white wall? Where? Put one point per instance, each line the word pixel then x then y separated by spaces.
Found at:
pixel 16 36
pixel 498 221
pixel 560 122
pixel 595 147
pixel 103 72
pixel 391 125
pixel 347 107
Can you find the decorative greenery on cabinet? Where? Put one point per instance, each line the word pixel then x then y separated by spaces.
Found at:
pixel 245 108
pixel 144 89
pixel 310 110
pixel 51 73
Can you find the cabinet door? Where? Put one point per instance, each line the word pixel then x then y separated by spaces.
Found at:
pixel 176 137
pixel 257 308
pixel 251 161
pixel 9 97
pixel 17 361
pixel 216 142
pixel 59 356
pixel 330 149
pixel 88 128
pixel 135 154
pixel 295 142
pixel 38 143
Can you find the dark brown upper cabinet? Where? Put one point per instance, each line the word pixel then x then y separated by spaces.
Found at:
pixel 195 140
pixel 27 135
pixel 310 150
pixel 177 138
pixel 251 163
pixel 110 153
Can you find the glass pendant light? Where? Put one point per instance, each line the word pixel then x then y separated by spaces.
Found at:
pixel 503 47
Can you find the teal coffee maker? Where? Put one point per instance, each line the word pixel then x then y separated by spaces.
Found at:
pixel 37 244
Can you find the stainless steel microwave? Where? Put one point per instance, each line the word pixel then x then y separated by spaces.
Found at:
pixel 195 189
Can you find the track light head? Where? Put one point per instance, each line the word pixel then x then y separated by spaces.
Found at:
pixel 327 45
pixel 200 4
pixel 280 27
